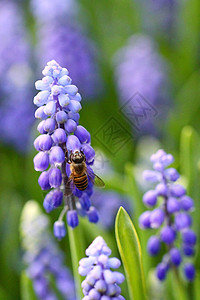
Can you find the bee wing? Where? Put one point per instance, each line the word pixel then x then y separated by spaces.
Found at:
pixel 69 185
pixel 96 180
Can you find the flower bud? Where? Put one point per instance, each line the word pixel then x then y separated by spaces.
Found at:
pixel 92 214
pixel 72 218
pixel 45 142
pixel 59 136
pixel 153 245
pixel 59 229
pixel 82 134
pixel 157 218
pixel 189 271
pixel 182 221
pixel 186 203
pixel 89 153
pixel 70 126
pixel 43 180
pixel 172 205
pixel 175 256
pixel 56 155
pixel 55 177
pixel 41 161
pixel 177 190
pixel 161 271
pixel 150 198
pixel 73 143
pixel 61 117
pixel 144 219
pixel 167 235
pixel 49 125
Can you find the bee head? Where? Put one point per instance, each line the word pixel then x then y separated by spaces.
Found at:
pixel 77 157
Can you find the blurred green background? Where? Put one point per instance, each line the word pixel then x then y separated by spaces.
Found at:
pixel 174 29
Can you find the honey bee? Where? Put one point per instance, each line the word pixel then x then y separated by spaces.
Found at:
pixel 79 171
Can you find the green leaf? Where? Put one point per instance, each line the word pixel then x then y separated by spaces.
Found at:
pixel 130 252
pixel 77 252
pixel 27 292
pixel 189 158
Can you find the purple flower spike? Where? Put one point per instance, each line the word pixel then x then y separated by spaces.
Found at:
pixel 62 142
pixel 171 216
pixel 100 281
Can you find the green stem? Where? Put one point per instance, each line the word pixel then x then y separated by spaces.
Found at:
pixel 77 252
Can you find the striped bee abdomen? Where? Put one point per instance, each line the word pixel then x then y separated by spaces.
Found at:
pixel 81 182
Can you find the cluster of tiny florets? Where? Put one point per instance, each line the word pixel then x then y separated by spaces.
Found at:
pixel 172 214
pixel 58 110
pixel 100 281
pixel 43 258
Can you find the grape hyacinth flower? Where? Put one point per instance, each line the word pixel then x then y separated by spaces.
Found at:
pixel 100 281
pixel 42 256
pixel 57 25
pixel 15 74
pixel 170 214
pixel 60 133
pixel 74 50
pixel 135 64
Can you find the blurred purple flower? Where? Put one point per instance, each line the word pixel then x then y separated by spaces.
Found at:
pixel 74 51
pixel 100 282
pixel 140 70
pixel 48 11
pixel 61 38
pixel 43 257
pixel 172 213
pixel 15 74
pixel 107 204
pixel 163 14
